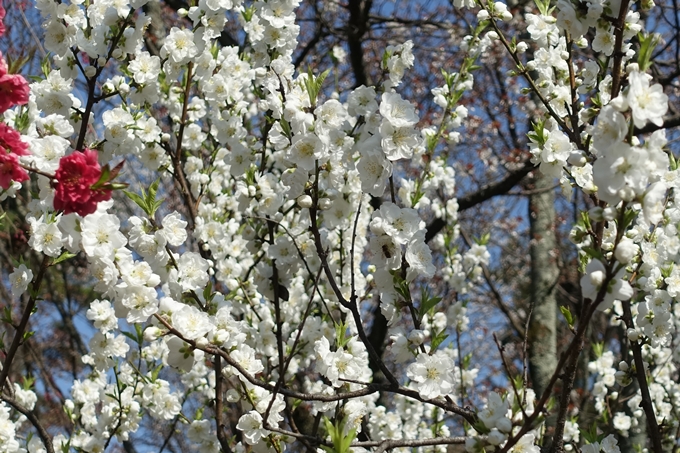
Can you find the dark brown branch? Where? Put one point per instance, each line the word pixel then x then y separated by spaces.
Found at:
pixel 466 413
pixel 219 406
pixel 484 193
pixel 641 375
pixel 357 27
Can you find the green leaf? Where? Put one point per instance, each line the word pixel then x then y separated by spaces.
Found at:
pixel 484 240
pixel 385 58
pixel 7 315
pixel 594 253
pixel 156 371
pixel 66 255
pixel 568 316
pixel 130 335
pixel 140 201
pixel 647 45
pixel 437 339
pixel 341 335
pixel 427 303
pixel 598 349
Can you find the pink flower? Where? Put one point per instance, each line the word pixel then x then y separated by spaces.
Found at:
pixel 10 141
pixel 10 170
pixel 13 87
pixel 74 180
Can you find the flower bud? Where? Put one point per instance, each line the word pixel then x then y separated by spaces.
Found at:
pixel 596 214
pixel 609 213
pixel 152 333
pixel 625 251
pixel 416 337
pixel 305 201
pixel 577 158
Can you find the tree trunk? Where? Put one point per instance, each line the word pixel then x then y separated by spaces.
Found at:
pixel 544 274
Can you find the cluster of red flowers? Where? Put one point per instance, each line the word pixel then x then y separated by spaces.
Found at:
pixel 77 185
pixel 13 91
pixel 77 181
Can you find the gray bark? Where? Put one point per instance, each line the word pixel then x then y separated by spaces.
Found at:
pixel 542 353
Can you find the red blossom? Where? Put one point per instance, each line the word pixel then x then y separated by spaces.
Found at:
pixel 76 175
pixel 10 141
pixel 14 88
pixel 10 170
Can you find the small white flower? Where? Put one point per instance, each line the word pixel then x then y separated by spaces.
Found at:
pixel 647 103
pixel 174 229
pixel 19 279
pixel 399 112
pixel 191 322
pixel 432 374
pixel 251 425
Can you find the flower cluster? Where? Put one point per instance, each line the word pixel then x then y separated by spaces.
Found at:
pixel 74 185
pixel 13 91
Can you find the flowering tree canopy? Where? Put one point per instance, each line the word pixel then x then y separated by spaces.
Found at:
pixel 227 230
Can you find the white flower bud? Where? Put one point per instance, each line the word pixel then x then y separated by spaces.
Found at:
pixel 626 251
pixel 596 214
pixel 324 203
pixel 416 337
pixel 90 72
pixel 577 158
pixel 582 42
pixel 482 15
pixel 304 201
pixel 609 213
pixel 633 67
pixel 152 333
